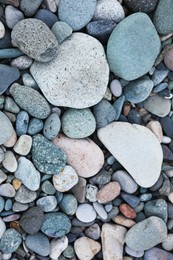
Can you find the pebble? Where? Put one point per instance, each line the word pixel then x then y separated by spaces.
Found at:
pixel 32 220
pixel 10 241
pixel 91 192
pixel 19 207
pixel 112 237
pixel 52 126
pixel 12 16
pixel 166 140
pixel 116 88
pixel 109 9
pixel 61 30
pixel 48 188
pixel 145 197
pixel 44 46
pixel 157 253
pixel 23 145
pixel 85 51
pixel 108 192
pixel 138 90
pixel 118 105
pixel 7 190
pixel 79 190
pixel 38 243
pixel 8 76
pixel 56 224
pixel 121 46
pixel 122 220
pixel 127 211
pixel 57 246
pixel 78 123
pixel 160 87
pixel 115 137
pixel 141 5
pixel 133 253
pixel 51 5
pixel 27 174
pixel 104 113
pixel 24 195
pixel 146 234
pixel 1 159
pixel 168 243
pixel 93 232
pixel 46 17
pixel 156 128
pixel 100 210
pixel 29 81
pixel 30 100
pixel 85 213
pixel 3 176
pixel 2 30
pixel 101 178
pixel 88 158
pixel 22 62
pixel 47 157
pixel 9 162
pixel 11 106
pixel 2 227
pixel 22 122
pixel 168 59
pixel 86 248
pixel 77 13
pixel 16 183
pixel 69 252
pixel 29 7
pixel 35 126
pixel 125 180
pixel 10 53
pixel 68 204
pixel 163 17
pixel 132 200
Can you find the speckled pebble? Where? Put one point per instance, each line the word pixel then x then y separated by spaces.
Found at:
pixel 91 192
pixel 52 126
pixel 23 145
pixel 10 241
pixel 61 30
pixel 22 62
pixel 47 204
pixel 35 126
pixel 24 195
pixel 22 122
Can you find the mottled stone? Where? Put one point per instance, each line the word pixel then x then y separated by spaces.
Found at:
pixel 29 7
pixel 61 30
pixel 38 243
pixel 25 195
pixel 10 241
pixel 145 6
pixel 47 204
pixel 108 192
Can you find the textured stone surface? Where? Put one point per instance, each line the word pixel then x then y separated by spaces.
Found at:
pixel 10 241
pixel 29 7
pixel 8 76
pixel 61 30
pixel 38 243
pixel 6 129
pixel 157 105
pixel 145 6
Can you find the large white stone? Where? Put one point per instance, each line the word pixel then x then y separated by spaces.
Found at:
pixel 78 76
pixel 136 148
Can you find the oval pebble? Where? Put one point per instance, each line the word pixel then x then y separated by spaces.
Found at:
pixel 23 145
pixel 7 190
pixel 2 227
pixel 22 62
pixel 47 203
pixel 61 30
pixel 6 129
pixel 86 213
pixel 108 192
pixel 52 126
pixel 68 204
pixel 35 126
pixel 24 195
pixel 100 210
pixel 22 122
pixel 116 88
pixel 9 162
pixel 2 30
pixel 10 241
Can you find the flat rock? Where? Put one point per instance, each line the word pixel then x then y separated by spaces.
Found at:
pixel 6 129
pixel 108 192
pixel 143 150
pixel 8 76
pixel 87 159
pixel 38 243
pixel 27 174
pixel 25 195
pixel 145 6
pixel 35 39
pixel 30 100
pixel 157 105
pixel 139 54
pixel 10 241
pixel 84 84
pixel 47 203
pixel 76 13
pixel 146 234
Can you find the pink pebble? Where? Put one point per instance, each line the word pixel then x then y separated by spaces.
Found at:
pixel 116 88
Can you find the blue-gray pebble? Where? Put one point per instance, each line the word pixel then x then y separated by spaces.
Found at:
pixel 35 126
pixel 156 208
pixel 8 76
pixel 52 126
pixel 10 241
pixel 46 16
pixel 29 7
pixel 68 204
pixel 22 122
pixel 61 30
pixel 2 203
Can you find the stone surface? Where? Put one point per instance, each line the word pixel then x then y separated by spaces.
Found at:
pixel 9 162
pixel 52 126
pixel 23 145
pixel 156 128
pixel 7 190
pixel 78 123
pixel 93 232
pixel 6 129
pixel 13 16
pixel 25 195
pixel 112 237
pixel 140 141
pixel 2 30
pixel 29 7
pixel 86 248
pixel 77 13
pixel 27 174
pixel 108 192
pixel 66 179
pixel 22 62
pixel 38 243
pixel 35 126
pixel 30 100
pixel 32 220
pixel 10 241
pixel 168 243
pixel 35 39
pixel 8 76
pixel 85 213
pixel 47 204
pixel 22 122
pixel 139 54
pixel 157 105
pixel 87 159
pixel 57 246
pixel 61 30
pixel 156 208
pixel 47 157
pixel 68 204
pixel 46 17
pixel 145 6
pixel 146 234
pixel 168 59
pixel 91 192
pixel 84 84
pixel 116 88
pixel 157 254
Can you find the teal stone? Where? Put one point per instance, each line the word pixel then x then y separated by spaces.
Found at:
pixel 68 204
pixel 69 252
pixel 118 105
pixel 163 17
pixel 61 30
pixel 47 187
pixel 10 241
pixel 56 224
pixel 10 53
pixel 59 196
pixel 35 126
pixel 133 47
pixel 156 208
pixel 78 123
pixel 138 90
pixel 47 157
pixel 11 106
pixel 8 204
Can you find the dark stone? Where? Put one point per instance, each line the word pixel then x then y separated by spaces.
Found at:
pixel 156 208
pixel 8 76
pixel 170 210
pixel 132 200
pixel 46 16
pixel 101 178
pixel 167 126
pixel 134 117
pixel 5 42
pixel 144 6
pixel 167 154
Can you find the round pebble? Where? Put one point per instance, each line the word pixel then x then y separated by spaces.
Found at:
pixel 13 16
pixel 23 145
pixel 38 243
pixel 52 126
pixel 116 88
pixel 47 204
pixel 85 213
pixel 108 192
pixel 91 192
pixel 9 162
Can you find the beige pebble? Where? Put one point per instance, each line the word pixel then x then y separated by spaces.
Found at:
pixel 10 162
pixel 156 128
pixel 57 246
pixel 2 30
pixel 16 183
pixel 126 222
pixel 23 145
pixel 11 142
pixel 86 248
pixel 108 192
pixel 108 95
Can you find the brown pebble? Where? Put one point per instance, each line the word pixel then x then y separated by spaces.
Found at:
pixel 121 220
pixel 108 192
pixel 127 211
pixel 156 128
pixel 15 225
pixel 16 183
pixel 126 109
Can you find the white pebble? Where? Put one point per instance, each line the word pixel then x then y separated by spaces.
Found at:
pixel 169 173
pixel 22 62
pixel 23 145
pixel 9 162
pixel 108 207
pixel 6 256
pixel 100 210
pixel 116 88
pixel 2 30
pixel 86 213
pixel 91 192
pixel 57 246
pixel 166 140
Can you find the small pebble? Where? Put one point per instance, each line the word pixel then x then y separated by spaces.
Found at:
pixel 52 126
pixel 2 30
pixel 108 192
pixel 116 88
pixel 57 246
pixel 7 190
pixel 23 145
pixel 91 192
pixel 61 30
pixel 22 62
pixel 93 232
pixel 100 210
pixel 9 162
pixel 10 241
pixel 68 204
pixel 85 213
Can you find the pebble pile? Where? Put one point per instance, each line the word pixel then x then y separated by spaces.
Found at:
pixel 86 129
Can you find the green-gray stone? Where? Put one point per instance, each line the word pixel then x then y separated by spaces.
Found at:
pixel 61 30
pixel 11 106
pixel 78 123
pixel 31 101
pixel 10 241
pixel 133 47
pixel 163 17
pixel 56 224
pixel 156 208
pixel 138 90
pixel 35 126
pixel 47 187
pixel 47 157
pixel 52 126
pixel 69 252
pixel 68 204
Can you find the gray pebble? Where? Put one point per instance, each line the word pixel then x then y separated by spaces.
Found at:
pixel 8 76
pixel 68 204
pixel 18 207
pixel 48 188
pixel 24 195
pixel 29 7
pixel 12 16
pixel 22 122
pixel 35 126
pixel 118 105
pixel 93 232
pixel 52 126
pixel 29 81
pixel 47 203
pixel 101 178
pixel 61 30
pixel 11 106
pixel 10 241
pixel 156 208
pixel 46 17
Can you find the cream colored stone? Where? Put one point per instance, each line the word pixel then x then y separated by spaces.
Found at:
pixel 112 237
pixel 57 246
pixel 156 128
pixel 10 162
pixel 23 145
pixel 11 142
pixel 86 248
